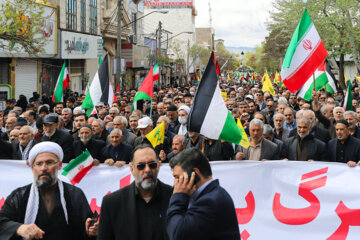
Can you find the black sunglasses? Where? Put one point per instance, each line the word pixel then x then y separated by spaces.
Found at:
pixel 141 166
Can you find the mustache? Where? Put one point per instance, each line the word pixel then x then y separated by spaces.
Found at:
pixel 149 175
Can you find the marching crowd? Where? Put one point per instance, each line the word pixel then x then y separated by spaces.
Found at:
pixel 282 126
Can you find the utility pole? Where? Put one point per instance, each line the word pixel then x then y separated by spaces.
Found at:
pixel 118 44
pixel 188 61
pixel 158 56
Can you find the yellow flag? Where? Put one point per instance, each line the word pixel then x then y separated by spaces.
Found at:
pixel 357 78
pixel 157 135
pixel 277 79
pixel 244 139
pixel 224 95
pixel 346 79
pixel 267 86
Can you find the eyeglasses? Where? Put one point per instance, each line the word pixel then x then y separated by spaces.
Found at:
pixel 47 163
pixel 142 165
pixel 127 112
pixel 269 106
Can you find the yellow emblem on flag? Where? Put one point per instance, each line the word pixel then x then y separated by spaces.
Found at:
pixel 224 95
pixel 244 139
pixel 157 135
pixel 267 86
pixel 277 79
pixel 357 78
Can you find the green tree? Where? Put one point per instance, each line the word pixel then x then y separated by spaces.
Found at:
pixel 20 26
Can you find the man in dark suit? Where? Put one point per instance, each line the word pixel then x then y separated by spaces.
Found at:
pixel 86 141
pixel 53 134
pixel 26 142
pixel 344 148
pixel 304 146
pixel 202 209
pixel 137 211
pixel 260 148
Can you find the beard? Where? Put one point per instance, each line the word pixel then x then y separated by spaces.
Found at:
pixel 85 139
pixel 50 133
pixel 45 182
pixel 146 185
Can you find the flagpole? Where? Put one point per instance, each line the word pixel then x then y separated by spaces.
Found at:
pixel 314 81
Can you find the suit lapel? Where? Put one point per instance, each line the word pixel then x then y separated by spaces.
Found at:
pixel 131 210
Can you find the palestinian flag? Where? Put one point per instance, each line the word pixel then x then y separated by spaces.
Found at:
pixel 209 115
pixel 146 89
pixel 156 72
pixel 331 86
pixel 112 97
pixel 218 72
pixel 99 89
pixel 61 84
pixel 348 99
pixel 305 53
pixel 321 80
pixel 78 167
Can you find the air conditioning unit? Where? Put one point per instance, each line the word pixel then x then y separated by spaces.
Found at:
pixel 132 39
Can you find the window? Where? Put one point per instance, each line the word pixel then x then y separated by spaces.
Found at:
pixel 71 14
pixel 83 15
pixel 93 16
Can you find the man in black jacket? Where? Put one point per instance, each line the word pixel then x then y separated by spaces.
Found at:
pixel 53 134
pixel 26 142
pixel 86 141
pixel 304 146
pixel 137 211
pixel 47 208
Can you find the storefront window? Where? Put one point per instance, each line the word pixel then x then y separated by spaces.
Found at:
pixel 93 16
pixel 71 14
pixel 83 15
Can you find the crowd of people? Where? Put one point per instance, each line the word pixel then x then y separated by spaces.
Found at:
pixel 282 126
pixel 45 134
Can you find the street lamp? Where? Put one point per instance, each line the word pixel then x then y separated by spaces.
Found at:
pixel 176 36
pixel 158 11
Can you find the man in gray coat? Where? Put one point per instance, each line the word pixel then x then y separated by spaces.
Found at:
pixel 260 148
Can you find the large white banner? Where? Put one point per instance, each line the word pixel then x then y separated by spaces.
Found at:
pixel 273 200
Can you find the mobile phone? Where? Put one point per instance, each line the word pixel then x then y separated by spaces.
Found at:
pixel 197 178
pixel 94 218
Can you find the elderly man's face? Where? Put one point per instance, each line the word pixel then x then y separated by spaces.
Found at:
pixel 145 168
pixel 176 145
pixel 25 136
pixel 113 113
pixel 172 115
pixel 49 129
pixel 14 135
pixel 115 138
pixel 119 125
pixel 339 114
pixel 96 127
pixel 278 121
pixel 303 128
pixel 9 124
pixel 161 109
pixel 342 131
pixel 351 120
pixel 45 168
pixel 66 116
pixel 289 116
pixel 256 133
pixel 145 131
pixel 85 134
pixel 133 122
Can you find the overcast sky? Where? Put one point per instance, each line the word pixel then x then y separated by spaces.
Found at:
pixel 238 22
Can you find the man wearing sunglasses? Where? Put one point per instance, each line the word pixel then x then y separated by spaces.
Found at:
pixel 137 211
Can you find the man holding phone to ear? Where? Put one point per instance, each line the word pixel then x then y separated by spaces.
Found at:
pixel 199 209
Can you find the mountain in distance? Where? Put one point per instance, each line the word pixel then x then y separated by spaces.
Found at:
pixel 238 50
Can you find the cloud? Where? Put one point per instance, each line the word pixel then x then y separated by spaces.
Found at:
pixel 238 22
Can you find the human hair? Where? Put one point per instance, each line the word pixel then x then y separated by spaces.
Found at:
pixel 86 125
pixel 80 114
pixel 101 122
pixel 306 119
pixel 267 129
pixel 122 119
pixel 324 108
pixel 256 122
pixel 116 110
pixel 16 113
pixel 243 103
pixel 117 130
pixel 192 158
pixel 31 130
pixel 311 112
pixel 134 115
pixel 282 100
pixel 182 138
pixel 338 108
pixel 57 103
pixel 351 113
pixel 33 114
pixel 68 110
pixel 139 147
pixel 282 116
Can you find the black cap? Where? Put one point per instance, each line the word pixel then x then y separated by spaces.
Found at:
pixel 21 122
pixel 44 109
pixel 51 118
pixel 187 95
pixel 172 108
pixel 343 121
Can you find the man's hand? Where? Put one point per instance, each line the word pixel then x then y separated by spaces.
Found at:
pixel 120 163
pixel 351 163
pixel 30 231
pixel 183 185
pixel 96 162
pixel 162 155
pixel 244 117
pixel 315 103
pixel 240 156
pixel 91 231
pixel 109 161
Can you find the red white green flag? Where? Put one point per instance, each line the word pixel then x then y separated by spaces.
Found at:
pixel 156 72
pixel 305 53
pixel 79 167
pixel 348 99
pixel 61 84
pixel 146 89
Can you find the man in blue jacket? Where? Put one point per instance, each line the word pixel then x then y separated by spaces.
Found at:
pixel 199 209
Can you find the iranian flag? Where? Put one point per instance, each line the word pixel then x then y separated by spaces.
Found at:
pixel 320 81
pixel 61 84
pixel 348 99
pixel 78 167
pixel 99 91
pixel 209 115
pixel 305 53
pixel 156 72
pixel 146 89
